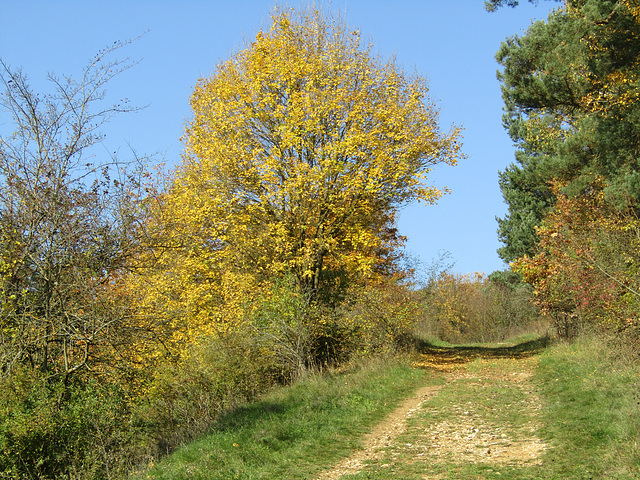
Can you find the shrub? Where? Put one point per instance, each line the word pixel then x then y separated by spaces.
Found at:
pixel 185 398
pixel 380 317
pixel 51 430
pixel 475 308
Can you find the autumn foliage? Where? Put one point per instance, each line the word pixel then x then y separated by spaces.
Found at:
pixel 462 308
pixel 158 301
pixel 586 271
pixel 302 148
pixel 570 86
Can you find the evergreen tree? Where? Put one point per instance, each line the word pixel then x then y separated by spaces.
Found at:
pixel 570 90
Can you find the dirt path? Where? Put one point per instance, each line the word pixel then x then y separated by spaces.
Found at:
pixel 462 421
pixel 382 436
pixel 467 431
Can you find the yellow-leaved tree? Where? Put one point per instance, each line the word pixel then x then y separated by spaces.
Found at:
pixel 302 147
pixel 301 150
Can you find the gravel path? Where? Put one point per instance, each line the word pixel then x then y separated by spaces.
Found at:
pixel 382 436
pixel 465 431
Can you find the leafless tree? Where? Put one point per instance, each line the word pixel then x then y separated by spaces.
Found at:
pixel 67 221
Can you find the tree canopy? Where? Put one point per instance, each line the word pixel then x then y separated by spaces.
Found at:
pixel 569 87
pixel 493 5
pixel 302 148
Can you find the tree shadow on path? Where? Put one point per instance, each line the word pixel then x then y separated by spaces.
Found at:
pixel 449 358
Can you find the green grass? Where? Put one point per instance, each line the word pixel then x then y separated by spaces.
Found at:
pixel 592 411
pixel 575 401
pixel 580 402
pixel 296 431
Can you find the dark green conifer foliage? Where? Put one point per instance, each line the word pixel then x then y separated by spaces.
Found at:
pixel 568 88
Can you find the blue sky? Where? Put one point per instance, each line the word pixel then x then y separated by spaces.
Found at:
pixel 450 42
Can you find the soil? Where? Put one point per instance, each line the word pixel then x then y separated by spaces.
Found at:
pixel 464 435
pixel 382 436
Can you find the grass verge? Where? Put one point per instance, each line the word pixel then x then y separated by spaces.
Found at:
pixel 592 411
pixel 295 431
